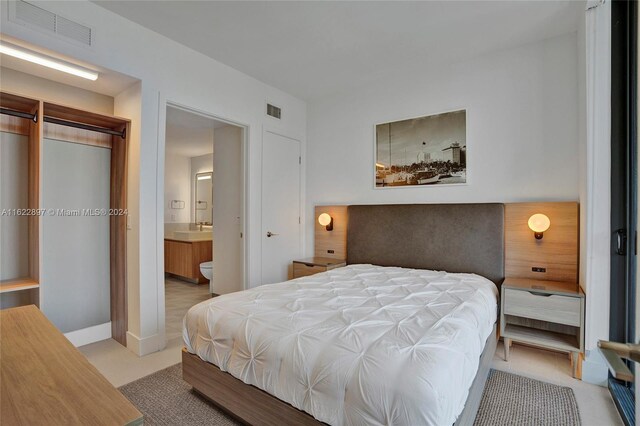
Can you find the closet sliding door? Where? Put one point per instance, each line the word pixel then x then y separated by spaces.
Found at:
pixel 76 238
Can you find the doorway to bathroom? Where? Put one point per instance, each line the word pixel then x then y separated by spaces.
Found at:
pixel 203 212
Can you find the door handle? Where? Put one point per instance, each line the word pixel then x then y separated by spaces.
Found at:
pixel 621 242
pixel 270 234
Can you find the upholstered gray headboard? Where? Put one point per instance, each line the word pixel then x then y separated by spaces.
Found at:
pixel 446 237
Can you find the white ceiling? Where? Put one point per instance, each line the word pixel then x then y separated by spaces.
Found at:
pixel 189 134
pixel 313 49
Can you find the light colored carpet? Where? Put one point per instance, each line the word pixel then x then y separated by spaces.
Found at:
pixel 165 399
pixel 512 400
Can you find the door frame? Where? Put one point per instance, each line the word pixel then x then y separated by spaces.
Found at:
pixel 624 185
pixel 301 201
pixel 162 125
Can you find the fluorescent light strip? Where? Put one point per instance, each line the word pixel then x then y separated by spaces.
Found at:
pixel 36 58
pixel 204 177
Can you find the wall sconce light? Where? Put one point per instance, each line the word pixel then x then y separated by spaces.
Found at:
pixel 326 220
pixel 539 223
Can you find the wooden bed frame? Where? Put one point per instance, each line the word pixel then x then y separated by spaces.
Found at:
pixel 427 234
pixel 254 406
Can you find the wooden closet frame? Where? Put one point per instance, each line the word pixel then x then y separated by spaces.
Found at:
pixel 119 146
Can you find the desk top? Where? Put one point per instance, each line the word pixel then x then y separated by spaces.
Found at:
pixel 46 380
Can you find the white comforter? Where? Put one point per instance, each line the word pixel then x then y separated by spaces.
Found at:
pixel 359 345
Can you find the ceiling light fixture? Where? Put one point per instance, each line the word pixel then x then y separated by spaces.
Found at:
pixel 47 61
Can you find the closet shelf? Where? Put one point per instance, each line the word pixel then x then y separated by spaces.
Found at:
pixel 18 284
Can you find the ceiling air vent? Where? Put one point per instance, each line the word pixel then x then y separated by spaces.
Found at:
pixel 274 111
pixel 32 16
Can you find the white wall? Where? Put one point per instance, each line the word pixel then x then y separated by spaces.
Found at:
pixel 75 249
pixel 582 145
pixel 177 186
pixel 522 133
pixel 595 191
pixel 14 230
pixel 169 72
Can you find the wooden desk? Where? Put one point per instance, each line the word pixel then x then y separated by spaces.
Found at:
pixel 46 380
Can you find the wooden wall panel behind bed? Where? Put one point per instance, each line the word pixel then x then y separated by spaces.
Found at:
pixel 331 244
pixel 557 251
pixel 446 237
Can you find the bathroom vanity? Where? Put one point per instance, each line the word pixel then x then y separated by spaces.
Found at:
pixel 183 255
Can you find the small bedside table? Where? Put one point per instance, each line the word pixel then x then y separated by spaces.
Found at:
pixel 547 314
pixel 314 265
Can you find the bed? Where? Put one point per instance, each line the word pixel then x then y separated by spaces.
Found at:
pixel 388 339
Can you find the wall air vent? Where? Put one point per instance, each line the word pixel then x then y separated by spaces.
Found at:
pixel 35 17
pixel 274 111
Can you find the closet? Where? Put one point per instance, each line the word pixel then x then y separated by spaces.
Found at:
pixel 63 205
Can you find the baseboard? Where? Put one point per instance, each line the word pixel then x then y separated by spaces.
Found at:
pixel 594 368
pixel 89 335
pixel 142 346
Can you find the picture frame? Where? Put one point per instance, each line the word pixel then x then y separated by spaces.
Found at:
pixel 425 151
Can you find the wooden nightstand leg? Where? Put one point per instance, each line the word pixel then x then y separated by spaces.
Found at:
pixel 507 345
pixel 576 364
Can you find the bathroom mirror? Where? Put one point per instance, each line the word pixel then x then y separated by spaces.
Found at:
pixel 204 197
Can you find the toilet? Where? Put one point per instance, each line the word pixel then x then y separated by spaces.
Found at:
pixel 206 268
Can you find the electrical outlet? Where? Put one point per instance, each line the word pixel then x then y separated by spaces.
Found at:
pixel 173 218
pixel 538 269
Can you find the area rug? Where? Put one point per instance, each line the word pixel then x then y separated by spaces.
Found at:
pixel 513 400
pixel 165 399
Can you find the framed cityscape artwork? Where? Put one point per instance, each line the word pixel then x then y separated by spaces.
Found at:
pixel 423 151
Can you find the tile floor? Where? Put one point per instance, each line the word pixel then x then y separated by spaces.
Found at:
pixel 121 366
pixel 179 297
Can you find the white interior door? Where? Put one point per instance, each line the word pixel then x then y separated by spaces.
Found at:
pixel 280 206
pixel 228 193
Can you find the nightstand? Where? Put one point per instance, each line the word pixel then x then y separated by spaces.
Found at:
pixel 547 314
pixel 314 265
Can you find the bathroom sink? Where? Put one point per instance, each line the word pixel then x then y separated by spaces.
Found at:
pixel 192 235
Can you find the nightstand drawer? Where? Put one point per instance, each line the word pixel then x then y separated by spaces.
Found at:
pixel 303 269
pixel 553 308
